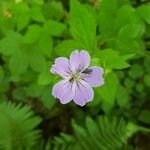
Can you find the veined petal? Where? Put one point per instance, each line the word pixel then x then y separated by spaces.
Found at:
pixel 83 93
pixel 95 77
pixel 61 66
pixel 79 60
pixel 64 91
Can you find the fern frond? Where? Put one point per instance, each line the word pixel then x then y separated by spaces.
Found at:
pixel 106 134
pixel 66 142
pixel 103 134
pixel 17 125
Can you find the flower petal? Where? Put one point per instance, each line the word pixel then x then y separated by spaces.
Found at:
pixel 83 93
pixel 94 78
pixel 61 66
pixel 64 91
pixel 79 60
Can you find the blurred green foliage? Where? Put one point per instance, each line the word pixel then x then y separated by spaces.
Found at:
pixel 33 33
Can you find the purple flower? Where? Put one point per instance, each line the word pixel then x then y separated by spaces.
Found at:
pixel 78 78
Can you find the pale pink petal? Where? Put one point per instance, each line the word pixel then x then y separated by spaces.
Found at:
pixel 64 91
pixel 61 66
pixel 83 93
pixel 79 60
pixel 94 77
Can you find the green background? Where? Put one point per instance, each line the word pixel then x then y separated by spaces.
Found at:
pixel 33 33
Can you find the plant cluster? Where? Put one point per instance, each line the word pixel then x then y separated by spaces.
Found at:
pixel 33 33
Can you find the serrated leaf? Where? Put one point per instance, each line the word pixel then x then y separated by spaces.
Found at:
pixel 18 127
pixel 126 46
pixel 131 31
pixel 79 130
pixel 82 28
pixel 106 19
pixel 91 126
pixel 112 59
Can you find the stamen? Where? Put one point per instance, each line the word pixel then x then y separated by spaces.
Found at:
pixel 75 76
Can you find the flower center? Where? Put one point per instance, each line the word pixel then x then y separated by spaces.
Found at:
pixel 75 76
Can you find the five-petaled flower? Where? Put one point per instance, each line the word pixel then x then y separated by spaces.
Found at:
pixel 78 78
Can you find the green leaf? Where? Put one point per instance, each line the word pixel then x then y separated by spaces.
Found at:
pixel 4 82
pixel 112 59
pixel 33 34
pixel 144 116
pixel 125 15
pixel 11 43
pixel 122 97
pixel 53 9
pixel 45 77
pixel 20 8
pixel 91 126
pixel 29 76
pixel 131 31
pixel 54 28
pixel 37 61
pixel 126 46
pixel 36 14
pixel 136 71
pixel 23 21
pixel 120 28
pixel 140 87
pixel 146 63
pixel 83 24
pixel 106 134
pixel 46 97
pixel 21 13
pixel 147 80
pixel 45 44
pixel 109 89
pixel 1 73
pixel 129 83
pixel 66 47
pixel 34 90
pixel 18 63
pixel 128 38
pixel 19 94
pixel 17 127
pixel 106 18
pixel 57 10
pixel 144 12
